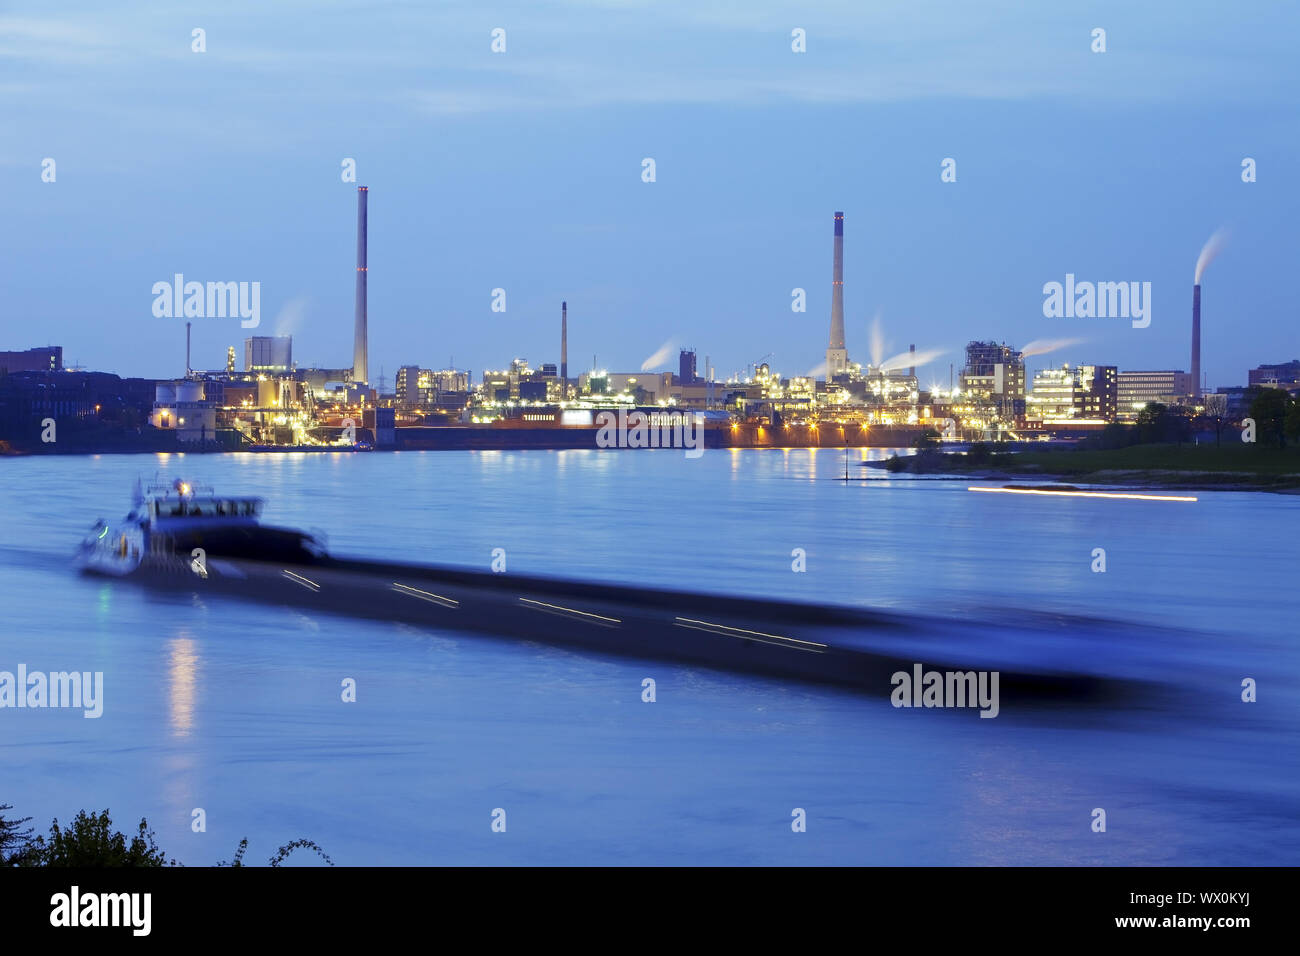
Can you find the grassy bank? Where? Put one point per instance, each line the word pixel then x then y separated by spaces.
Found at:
pixel 1233 465
pixel 1238 458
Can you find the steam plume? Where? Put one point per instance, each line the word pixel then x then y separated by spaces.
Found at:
pixel 1043 346
pixel 289 318
pixel 908 359
pixel 877 341
pixel 1213 246
pixel 659 357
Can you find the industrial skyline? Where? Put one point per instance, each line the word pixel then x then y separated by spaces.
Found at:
pixel 503 172
pixel 837 360
pixel 276 404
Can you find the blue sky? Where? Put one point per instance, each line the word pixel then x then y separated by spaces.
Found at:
pixel 522 170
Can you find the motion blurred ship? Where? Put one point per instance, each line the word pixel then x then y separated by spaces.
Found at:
pixel 184 539
pixel 179 525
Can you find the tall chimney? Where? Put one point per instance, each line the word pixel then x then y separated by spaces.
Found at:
pixel 360 356
pixel 837 359
pixel 187 349
pixel 1196 340
pixel 911 351
pixel 564 348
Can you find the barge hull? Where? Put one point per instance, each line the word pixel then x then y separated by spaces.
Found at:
pixel 842 646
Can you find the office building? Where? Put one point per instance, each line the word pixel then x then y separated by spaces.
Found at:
pixel 1137 389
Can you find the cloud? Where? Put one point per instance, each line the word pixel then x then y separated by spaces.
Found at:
pixel 579 54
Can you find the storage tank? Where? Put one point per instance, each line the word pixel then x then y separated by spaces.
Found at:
pixel 268 393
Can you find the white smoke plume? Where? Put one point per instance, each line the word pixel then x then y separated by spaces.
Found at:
pixel 1043 346
pixel 877 341
pixel 289 318
pixel 662 355
pixel 908 359
pixel 818 371
pixel 1213 246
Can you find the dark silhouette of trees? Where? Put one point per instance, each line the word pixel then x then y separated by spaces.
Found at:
pixel 1158 423
pixel 1269 409
pixel 928 439
pixel 1291 425
pixel 14 837
pixel 90 841
pixel 1216 410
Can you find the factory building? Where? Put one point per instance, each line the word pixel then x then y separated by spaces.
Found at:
pixel 268 353
pixel 48 359
pixel 183 407
pixel 1078 395
pixel 1138 388
pixel 686 370
pixel 994 377
pixel 1284 375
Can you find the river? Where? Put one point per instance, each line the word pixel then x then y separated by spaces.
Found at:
pixel 236 709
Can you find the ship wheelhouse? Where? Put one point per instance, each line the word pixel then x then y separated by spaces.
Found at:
pixel 186 505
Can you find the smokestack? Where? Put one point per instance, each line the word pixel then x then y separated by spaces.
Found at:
pixel 360 344
pixel 564 347
pixel 911 370
pixel 1196 340
pixel 187 349
pixel 837 359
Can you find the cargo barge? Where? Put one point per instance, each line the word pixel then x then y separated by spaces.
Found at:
pixel 184 539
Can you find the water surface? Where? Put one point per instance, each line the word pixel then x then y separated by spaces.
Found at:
pixel 235 708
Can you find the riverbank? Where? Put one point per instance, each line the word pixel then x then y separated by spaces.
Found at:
pixel 1229 467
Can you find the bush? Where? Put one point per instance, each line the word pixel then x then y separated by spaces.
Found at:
pixel 90 841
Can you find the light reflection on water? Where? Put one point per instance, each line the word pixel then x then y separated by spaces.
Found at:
pixel 231 706
pixel 183 670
